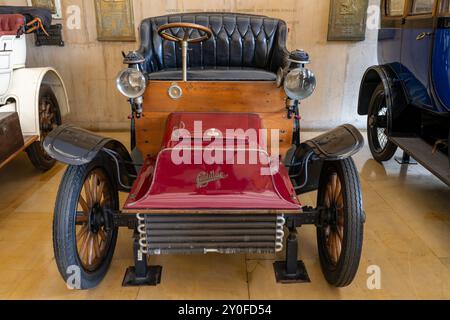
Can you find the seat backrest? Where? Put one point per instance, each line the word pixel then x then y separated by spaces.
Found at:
pixel 239 40
pixel 10 24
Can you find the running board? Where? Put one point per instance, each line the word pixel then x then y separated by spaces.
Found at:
pixel 28 141
pixel 437 163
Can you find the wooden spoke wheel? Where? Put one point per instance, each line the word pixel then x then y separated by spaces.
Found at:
pixel 334 231
pixel 378 122
pixel 84 233
pixel 94 228
pixel 48 115
pixel 340 236
pixel 49 119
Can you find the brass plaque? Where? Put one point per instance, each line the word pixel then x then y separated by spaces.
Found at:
pixel 115 20
pixel 53 5
pixel 347 20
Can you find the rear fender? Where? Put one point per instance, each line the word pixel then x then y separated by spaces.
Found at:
pixel 76 146
pixel 24 90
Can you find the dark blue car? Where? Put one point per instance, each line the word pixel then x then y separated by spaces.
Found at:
pixel 407 96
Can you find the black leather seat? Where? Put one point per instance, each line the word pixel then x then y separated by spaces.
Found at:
pixel 242 48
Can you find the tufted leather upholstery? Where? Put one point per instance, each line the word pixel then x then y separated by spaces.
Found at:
pixel 10 24
pixel 240 43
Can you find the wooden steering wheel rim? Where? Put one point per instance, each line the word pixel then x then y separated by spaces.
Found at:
pixel 185 26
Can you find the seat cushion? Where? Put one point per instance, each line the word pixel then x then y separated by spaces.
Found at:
pixel 215 74
pixel 10 24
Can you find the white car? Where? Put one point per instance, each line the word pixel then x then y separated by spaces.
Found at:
pixel 32 100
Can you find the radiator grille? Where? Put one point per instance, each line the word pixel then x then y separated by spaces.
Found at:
pixel 176 234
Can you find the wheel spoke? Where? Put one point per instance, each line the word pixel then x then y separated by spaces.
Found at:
pixel 83 204
pixel 100 188
pixel 94 188
pixel 84 246
pixel 91 250
pixel 333 186
pixel 81 217
pixel 338 190
pixel 327 200
pixel 329 193
pixel 87 189
pixel 332 246
pixel 340 233
pixel 340 201
pixel 102 235
pixel 102 238
pixel 82 233
pixel 96 246
pixel 337 247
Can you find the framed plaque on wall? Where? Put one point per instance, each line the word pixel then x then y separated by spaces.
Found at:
pixel 115 20
pixel 53 5
pixel 347 20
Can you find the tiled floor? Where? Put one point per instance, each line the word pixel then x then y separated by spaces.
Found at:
pixel 407 235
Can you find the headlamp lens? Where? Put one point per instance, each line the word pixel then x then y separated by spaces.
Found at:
pixel 131 83
pixel 300 83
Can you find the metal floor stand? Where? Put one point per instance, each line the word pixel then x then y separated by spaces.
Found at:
pixel 405 160
pixel 141 274
pixel 291 270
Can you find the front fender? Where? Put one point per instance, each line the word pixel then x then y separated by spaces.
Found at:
pixel 337 144
pixel 401 118
pixel 76 146
pixel 305 162
pixel 375 75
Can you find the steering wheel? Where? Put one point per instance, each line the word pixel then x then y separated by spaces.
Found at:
pixel 187 27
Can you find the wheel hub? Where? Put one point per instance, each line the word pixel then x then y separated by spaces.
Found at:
pixel 96 219
pixel 333 215
pixel 372 121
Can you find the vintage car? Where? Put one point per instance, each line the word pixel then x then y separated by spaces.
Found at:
pixel 32 100
pixel 198 190
pixel 407 96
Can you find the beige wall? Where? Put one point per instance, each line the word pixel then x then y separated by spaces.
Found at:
pixel 89 67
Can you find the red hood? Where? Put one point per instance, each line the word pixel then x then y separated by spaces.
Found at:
pixel 165 185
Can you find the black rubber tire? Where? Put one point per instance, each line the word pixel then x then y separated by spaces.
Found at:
pixel 378 153
pixel 343 273
pixel 36 153
pixel 64 229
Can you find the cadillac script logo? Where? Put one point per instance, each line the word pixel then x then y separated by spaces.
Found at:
pixel 205 178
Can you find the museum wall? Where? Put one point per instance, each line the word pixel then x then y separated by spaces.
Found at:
pixel 89 67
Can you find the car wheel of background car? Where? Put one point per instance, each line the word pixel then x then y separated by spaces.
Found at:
pixel 377 127
pixel 49 119
pixel 84 235
pixel 340 238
